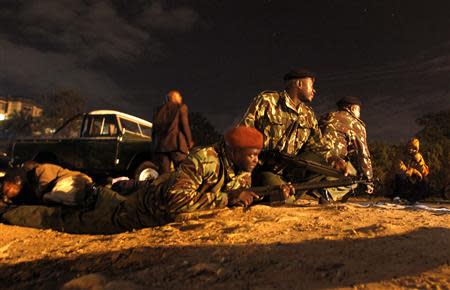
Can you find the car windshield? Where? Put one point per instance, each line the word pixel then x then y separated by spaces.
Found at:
pixel 71 129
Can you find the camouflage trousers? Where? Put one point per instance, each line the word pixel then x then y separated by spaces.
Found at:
pixel 112 213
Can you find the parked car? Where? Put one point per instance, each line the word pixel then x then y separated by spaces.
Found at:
pixel 99 142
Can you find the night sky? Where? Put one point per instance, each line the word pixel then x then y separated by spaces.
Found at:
pixel 126 54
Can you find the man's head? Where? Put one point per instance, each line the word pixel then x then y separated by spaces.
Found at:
pixel 413 146
pixel 244 145
pixel 174 97
pixel 353 104
pixel 300 82
pixel 13 181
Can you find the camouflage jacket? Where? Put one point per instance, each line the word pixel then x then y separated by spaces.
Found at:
pixel 285 127
pixel 406 161
pixel 202 180
pixel 346 135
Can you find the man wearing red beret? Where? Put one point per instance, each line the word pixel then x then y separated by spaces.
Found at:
pixel 204 180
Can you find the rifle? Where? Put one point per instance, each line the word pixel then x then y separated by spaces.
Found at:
pixel 285 160
pixel 273 192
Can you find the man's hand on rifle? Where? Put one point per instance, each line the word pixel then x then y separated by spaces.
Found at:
pixel 244 198
pixel 282 194
pixel 341 165
pixel 369 188
pixel 287 190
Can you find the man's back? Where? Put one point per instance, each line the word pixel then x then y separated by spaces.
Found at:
pixel 346 135
pixel 170 128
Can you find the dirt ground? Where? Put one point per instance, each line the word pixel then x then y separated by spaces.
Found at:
pixel 298 247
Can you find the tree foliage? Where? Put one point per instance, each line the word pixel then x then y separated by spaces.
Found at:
pixel 18 126
pixel 57 108
pixel 435 137
pixel 203 132
pixel 383 156
pixel 60 106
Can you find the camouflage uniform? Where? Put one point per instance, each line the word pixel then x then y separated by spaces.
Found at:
pixel 286 128
pixel 406 162
pixel 200 183
pixel 346 135
pixel 411 181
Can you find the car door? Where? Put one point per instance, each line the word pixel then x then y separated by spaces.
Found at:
pixel 98 144
pixel 134 143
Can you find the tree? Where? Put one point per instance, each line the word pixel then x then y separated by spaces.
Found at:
pixel 58 107
pixel 383 156
pixel 435 125
pixel 435 140
pixel 203 132
pixel 19 125
pixel 63 104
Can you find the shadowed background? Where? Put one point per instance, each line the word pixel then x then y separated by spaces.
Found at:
pixel 126 55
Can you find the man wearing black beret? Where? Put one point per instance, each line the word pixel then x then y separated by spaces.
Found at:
pixel 345 133
pixel 288 124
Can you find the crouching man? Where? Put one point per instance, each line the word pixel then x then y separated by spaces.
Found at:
pixel 411 182
pixel 202 181
pixel 345 133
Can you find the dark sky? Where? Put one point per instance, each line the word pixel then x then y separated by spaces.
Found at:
pixel 127 54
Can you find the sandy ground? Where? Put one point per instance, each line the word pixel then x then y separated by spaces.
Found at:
pixel 299 247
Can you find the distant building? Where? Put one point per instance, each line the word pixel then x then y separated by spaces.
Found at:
pixel 10 105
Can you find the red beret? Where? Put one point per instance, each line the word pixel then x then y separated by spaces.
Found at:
pixel 244 137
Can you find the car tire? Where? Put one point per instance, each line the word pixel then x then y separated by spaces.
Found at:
pixel 146 171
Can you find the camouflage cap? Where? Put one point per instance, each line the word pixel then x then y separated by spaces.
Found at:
pixel 349 100
pixel 299 73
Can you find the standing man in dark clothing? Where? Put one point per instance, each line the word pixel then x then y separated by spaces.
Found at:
pixel 171 132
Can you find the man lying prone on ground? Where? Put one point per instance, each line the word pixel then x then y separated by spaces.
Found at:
pixel 203 181
pixel 35 183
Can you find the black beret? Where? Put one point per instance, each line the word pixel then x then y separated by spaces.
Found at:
pixel 298 74
pixel 349 100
